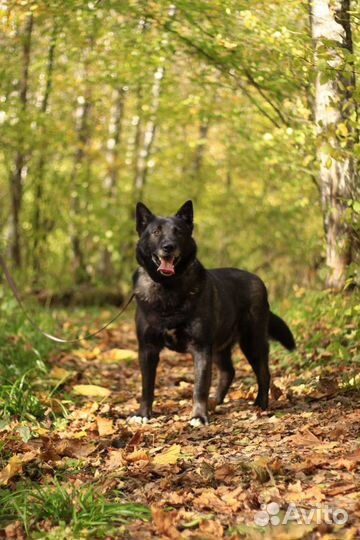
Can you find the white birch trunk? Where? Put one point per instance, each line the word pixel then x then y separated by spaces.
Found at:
pixel 18 171
pixel 142 163
pixel 112 153
pixel 82 119
pixel 333 107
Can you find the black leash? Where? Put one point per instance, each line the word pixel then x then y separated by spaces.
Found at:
pixel 16 293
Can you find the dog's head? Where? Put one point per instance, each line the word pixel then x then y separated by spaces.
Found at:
pixel 166 247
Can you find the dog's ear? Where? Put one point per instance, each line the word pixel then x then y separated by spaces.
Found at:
pixel 186 212
pixel 143 217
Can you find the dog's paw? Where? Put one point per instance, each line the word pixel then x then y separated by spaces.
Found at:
pixel 140 420
pixel 198 421
pixel 262 402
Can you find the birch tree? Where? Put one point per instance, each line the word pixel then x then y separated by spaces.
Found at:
pixel 19 166
pixel 83 130
pixel 112 151
pixel 38 225
pixel 335 116
pixel 142 164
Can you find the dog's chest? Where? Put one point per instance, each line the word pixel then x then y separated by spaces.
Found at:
pixel 168 311
pixel 146 290
pixel 161 302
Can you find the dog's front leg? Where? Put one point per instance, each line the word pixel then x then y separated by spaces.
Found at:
pixel 148 360
pixel 203 369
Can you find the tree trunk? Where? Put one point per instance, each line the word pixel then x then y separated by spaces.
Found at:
pixel 111 180
pixel 142 164
pixel 39 234
pixel 82 114
pixel 198 159
pixel 200 149
pixel 334 110
pixel 17 173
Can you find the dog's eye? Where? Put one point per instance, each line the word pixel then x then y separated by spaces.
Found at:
pixel 156 232
pixel 175 230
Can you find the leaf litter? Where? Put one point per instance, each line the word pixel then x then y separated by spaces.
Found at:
pixel 206 483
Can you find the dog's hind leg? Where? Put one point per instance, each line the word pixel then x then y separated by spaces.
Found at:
pixel 255 346
pixel 226 373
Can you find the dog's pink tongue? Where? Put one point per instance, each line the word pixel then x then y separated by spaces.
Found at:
pixel 167 267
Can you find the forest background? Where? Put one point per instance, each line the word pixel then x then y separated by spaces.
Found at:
pixel 106 103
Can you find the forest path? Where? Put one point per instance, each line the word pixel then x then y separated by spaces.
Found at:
pixel 290 472
pixel 212 482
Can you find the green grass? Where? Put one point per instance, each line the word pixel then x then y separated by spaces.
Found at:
pixel 24 354
pixel 18 399
pixel 81 510
pixel 22 348
pixel 326 328
pixel 23 362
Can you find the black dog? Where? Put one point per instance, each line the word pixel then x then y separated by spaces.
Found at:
pixel 183 306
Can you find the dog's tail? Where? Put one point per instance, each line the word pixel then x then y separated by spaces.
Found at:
pixel 280 331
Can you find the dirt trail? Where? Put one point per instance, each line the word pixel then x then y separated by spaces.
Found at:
pixel 218 481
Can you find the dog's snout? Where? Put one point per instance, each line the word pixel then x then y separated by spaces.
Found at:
pixel 168 247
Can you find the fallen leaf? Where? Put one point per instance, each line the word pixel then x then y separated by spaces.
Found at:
pixel 234 498
pixel 137 455
pixel 119 355
pixel 209 500
pixel 15 530
pixel 276 393
pixel 59 373
pixel 212 529
pixel 91 390
pixel 339 488
pixel 73 448
pixel 305 438
pixel 309 464
pixel 164 523
pixel 225 473
pixel 349 461
pixel 86 411
pixel 169 456
pixel 136 439
pixel 115 460
pixel 174 498
pixel 14 467
pixel 24 433
pixel 105 426
pixel 313 493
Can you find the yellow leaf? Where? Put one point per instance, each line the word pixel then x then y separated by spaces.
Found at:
pixel 169 456
pixel 342 130
pixel 120 355
pixel 59 373
pixel 39 430
pixel 230 45
pixel 80 435
pixel 105 426
pixel 14 466
pixel 91 390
